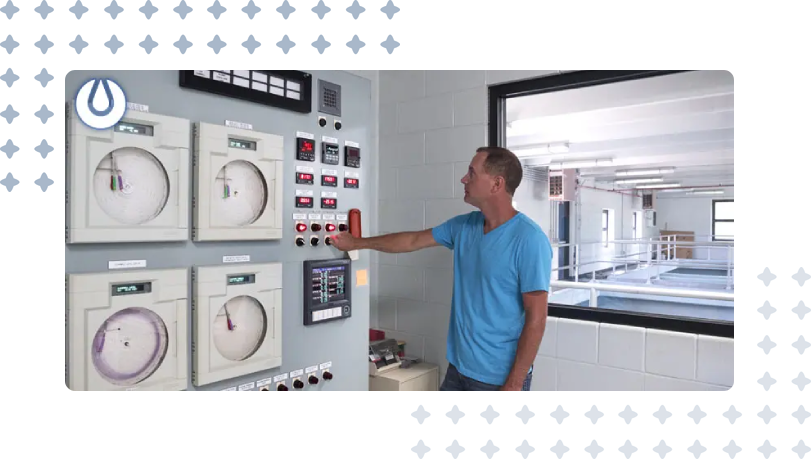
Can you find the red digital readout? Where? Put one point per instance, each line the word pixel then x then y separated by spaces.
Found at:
pixel 305 176
pixel 307 146
pixel 352 181
pixel 329 178
pixel 328 202
pixel 304 200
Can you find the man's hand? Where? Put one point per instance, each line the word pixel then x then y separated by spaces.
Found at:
pixel 345 242
pixel 511 385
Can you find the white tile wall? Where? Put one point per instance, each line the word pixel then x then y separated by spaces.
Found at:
pixel 622 347
pixel 430 124
pixel 577 340
pixel 715 360
pixel 577 355
pixel 670 354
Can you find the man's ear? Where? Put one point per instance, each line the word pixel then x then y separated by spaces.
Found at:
pixel 499 183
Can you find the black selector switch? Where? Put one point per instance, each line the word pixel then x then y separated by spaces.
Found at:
pixel 282 387
pixel 315 227
pixel 297 384
pixel 337 125
pixel 314 241
pixel 300 241
pixel 312 379
pixel 342 227
pixel 322 121
pixel 327 375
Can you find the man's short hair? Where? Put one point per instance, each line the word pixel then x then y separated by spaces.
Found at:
pixel 502 162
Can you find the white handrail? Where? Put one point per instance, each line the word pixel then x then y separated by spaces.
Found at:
pixel 593 287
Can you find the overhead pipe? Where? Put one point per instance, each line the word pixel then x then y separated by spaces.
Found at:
pixel 609 191
pixel 685 187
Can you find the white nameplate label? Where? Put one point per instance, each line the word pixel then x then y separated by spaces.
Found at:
pixel 305 169
pixel 325 365
pixel 247 386
pixel 138 107
pixel 294 374
pixel 352 174
pixel 264 382
pixel 329 194
pixel 299 216
pixel 126 264
pixel 329 216
pixel 342 217
pixel 311 369
pixel 238 125
pixel 315 216
pixel 329 172
pixel 329 139
pixel 230 389
pixel 352 144
pixel 304 192
pixel 280 378
pixel 305 135
pixel 236 258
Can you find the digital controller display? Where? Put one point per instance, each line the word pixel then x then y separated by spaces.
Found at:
pixel 242 144
pixel 327 290
pixel 328 284
pixel 305 150
pixel 304 201
pixel 241 279
pixel 131 289
pixel 304 178
pixel 329 203
pixel 350 182
pixel 329 180
pixel 132 128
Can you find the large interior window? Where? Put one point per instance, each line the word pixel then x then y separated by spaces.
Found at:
pixel 723 220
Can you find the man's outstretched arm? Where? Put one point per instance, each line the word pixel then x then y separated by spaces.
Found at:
pixel 407 241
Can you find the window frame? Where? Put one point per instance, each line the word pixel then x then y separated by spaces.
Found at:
pixel 721 220
pixel 606 219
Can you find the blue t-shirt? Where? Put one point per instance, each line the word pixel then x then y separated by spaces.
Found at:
pixel 491 272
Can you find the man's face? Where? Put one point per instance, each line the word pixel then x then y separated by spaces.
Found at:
pixel 478 184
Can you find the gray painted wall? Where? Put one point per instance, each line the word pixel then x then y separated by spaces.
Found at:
pixel 342 342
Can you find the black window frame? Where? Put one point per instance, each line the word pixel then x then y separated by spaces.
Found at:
pixel 497 95
pixel 606 221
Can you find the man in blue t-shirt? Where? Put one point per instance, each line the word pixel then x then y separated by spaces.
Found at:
pixel 502 267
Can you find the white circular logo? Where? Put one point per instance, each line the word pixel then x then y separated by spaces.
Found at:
pixel 101 103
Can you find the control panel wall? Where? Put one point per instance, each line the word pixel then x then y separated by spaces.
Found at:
pixel 338 345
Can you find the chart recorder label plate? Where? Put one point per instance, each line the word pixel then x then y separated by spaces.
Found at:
pixel 128 183
pixel 237 321
pixel 126 330
pixel 238 184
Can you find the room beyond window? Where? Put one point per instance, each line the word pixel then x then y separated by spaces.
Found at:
pixel 723 220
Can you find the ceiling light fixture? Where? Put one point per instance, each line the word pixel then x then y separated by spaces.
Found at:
pixel 628 173
pixel 581 164
pixel 640 180
pixel 706 192
pixel 535 150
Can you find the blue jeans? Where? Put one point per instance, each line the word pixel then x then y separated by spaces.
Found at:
pixel 456 381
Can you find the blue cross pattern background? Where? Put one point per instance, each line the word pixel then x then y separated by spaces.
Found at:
pixel 104 34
